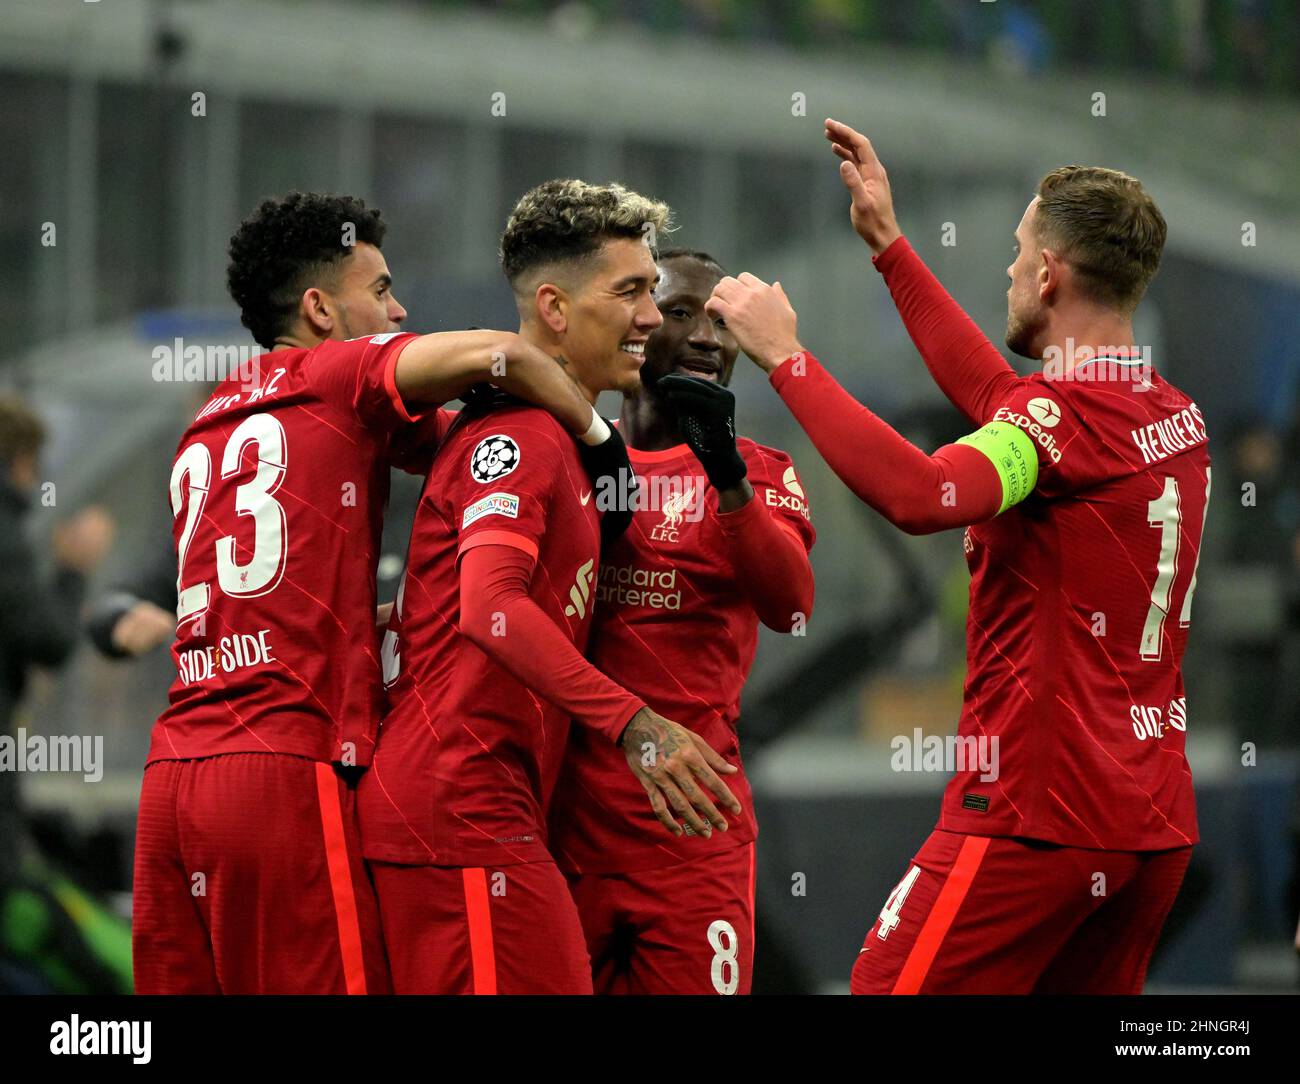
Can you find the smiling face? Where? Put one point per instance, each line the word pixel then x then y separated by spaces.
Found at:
pixel 690 342
pixel 609 316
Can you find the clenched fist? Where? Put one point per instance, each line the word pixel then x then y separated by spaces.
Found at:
pixel 759 316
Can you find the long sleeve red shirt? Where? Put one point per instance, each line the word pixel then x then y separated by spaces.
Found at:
pixel 771 564
pixel 494 580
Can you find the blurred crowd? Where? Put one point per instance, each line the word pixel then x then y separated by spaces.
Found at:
pixel 1264 472
pixel 1251 45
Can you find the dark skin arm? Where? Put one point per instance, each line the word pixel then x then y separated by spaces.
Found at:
pixel 736 497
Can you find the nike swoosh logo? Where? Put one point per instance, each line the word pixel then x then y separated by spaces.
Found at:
pixel 585 498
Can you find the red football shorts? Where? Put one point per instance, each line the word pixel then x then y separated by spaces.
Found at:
pixel 991 915
pixel 249 880
pixel 684 929
pixel 477 930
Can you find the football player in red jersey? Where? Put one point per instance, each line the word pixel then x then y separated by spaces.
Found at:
pixel 1068 824
pixel 248 876
pixel 484 650
pixel 678 603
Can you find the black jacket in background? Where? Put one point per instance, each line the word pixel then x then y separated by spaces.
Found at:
pixel 39 617
pixel 39 622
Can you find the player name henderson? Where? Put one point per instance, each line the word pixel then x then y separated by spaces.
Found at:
pixel 23 752
pixel 919 752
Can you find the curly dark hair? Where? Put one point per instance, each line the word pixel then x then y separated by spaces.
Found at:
pixel 567 220
pixel 288 245
pixel 691 254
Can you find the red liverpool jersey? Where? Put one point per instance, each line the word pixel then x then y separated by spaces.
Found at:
pixel 1080 602
pixel 673 628
pixel 278 492
pixel 468 756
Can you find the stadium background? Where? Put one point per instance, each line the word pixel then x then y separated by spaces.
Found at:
pixel 443 113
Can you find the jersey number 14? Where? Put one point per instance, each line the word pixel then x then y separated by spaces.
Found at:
pixel 1165 512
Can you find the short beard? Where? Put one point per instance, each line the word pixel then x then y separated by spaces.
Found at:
pixel 1020 337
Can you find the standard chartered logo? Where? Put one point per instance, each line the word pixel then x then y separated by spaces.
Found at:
pixel 627 585
pixel 580 592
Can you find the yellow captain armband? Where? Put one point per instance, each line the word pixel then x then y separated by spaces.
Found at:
pixel 1012 452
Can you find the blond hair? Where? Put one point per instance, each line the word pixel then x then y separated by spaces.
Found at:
pixel 567 221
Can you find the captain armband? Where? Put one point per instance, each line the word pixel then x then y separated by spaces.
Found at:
pixel 1010 450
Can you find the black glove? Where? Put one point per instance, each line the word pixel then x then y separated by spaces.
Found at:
pixel 706 416
pixel 615 483
pixel 480 398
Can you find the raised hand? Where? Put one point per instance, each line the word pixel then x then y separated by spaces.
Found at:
pixel 872 209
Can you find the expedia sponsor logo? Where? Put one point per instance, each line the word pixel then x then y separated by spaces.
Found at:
pixel 1044 411
pixel 627 585
pixel 580 592
pixel 1038 431
pixel 793 499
